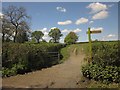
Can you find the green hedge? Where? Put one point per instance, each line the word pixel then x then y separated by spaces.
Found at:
pixel 106 53
pixel 107 74
pixel 105 65
pixel 21 58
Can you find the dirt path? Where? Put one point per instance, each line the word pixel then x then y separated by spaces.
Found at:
pixel 65 75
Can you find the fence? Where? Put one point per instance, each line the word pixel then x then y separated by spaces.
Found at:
pixel 55 55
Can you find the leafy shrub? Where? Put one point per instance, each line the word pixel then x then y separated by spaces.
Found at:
pixel 105 65
pixel 21 58
pixel 106 53
pixel 16 68
pixel 106 75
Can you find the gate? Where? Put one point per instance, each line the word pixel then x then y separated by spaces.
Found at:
pixel 55 55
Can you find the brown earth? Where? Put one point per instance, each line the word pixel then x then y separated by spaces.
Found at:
pixel 65 75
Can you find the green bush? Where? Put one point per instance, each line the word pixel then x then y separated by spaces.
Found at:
pixel 22 58
pixel 107 74
pixel 105 65
pixel 106 53
pixel 16 68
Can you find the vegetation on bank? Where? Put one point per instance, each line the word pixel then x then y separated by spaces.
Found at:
pixel 22 58
pixel 105 66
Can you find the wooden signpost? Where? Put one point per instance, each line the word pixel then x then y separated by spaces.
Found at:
pixel 90 41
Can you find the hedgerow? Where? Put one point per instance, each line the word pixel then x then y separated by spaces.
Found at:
pixel 21 58
pixel 107 74
pixel 105 64
pixel 106 54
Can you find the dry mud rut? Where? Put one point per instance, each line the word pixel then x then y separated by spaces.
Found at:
pixel 65 75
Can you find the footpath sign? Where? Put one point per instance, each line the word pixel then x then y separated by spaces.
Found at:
pixel 89 32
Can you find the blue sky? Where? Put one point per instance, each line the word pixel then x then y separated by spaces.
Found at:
pixel 73 16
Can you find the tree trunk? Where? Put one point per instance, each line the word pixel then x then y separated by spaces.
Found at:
pixel 37 40
pixel 15 35
pixel 3 37
pixel 55 40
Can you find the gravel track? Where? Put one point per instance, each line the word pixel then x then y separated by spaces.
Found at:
pixel 65 75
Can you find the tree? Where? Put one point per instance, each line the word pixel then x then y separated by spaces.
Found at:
pixel 37 35
pixel 22 37
pixel 51 41
pixel 7 29
pixel 43 40
pixel 71 38
pixel 16 16
pixel 55 34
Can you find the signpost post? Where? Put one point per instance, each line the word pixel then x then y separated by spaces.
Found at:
pixel 90 41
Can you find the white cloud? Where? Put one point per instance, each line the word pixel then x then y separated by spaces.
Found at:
pixel 1 15
pixel 100 15
pixel 45 35
pixel 96 7
pixel 65 22
pixel 61 9
pixel 91 22
pixel 43 30
pixel 98 28
pixel 62 40
pixel 77 30
pixel 65 31
pixel 81 21
pixel 111 35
